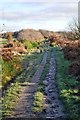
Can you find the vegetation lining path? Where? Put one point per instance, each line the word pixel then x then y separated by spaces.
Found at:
pixel 24 106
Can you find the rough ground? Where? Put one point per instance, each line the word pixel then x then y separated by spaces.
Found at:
pixel 53 107
pixel 24 106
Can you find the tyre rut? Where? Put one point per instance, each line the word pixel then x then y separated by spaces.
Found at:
pixel 24 107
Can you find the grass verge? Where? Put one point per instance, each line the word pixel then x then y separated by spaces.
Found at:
pixel 10 99
pixel 66 85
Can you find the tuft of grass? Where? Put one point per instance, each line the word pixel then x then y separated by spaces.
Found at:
pixel 3 41
pixel 10 99
pixel 66 85
pixel 38 102
pixel 29 45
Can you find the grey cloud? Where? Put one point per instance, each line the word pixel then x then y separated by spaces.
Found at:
pixel 48 11
pixel 40 1
pixel 62 8
pixel 17 17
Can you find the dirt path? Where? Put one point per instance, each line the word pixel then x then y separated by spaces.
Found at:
pixel 24 106
pixel 53 107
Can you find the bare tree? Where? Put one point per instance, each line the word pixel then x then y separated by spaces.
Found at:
pixel 75 30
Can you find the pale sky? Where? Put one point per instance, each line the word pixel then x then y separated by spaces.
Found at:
pixel 52 15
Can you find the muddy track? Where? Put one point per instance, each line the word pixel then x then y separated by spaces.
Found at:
pixel 24 107
pixel 53 107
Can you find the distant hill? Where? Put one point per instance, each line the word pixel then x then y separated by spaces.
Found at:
pixel 46 33
pixel 30 34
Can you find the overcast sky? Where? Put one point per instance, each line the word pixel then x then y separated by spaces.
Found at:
pixel 51 14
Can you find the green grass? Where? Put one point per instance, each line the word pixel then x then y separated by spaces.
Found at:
pixel 3 41
pixel 38 102
pixel 66 83
pixel 33 62
pixel 29 45
pixel 10 99
pixel 0 72
pixel 10 69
